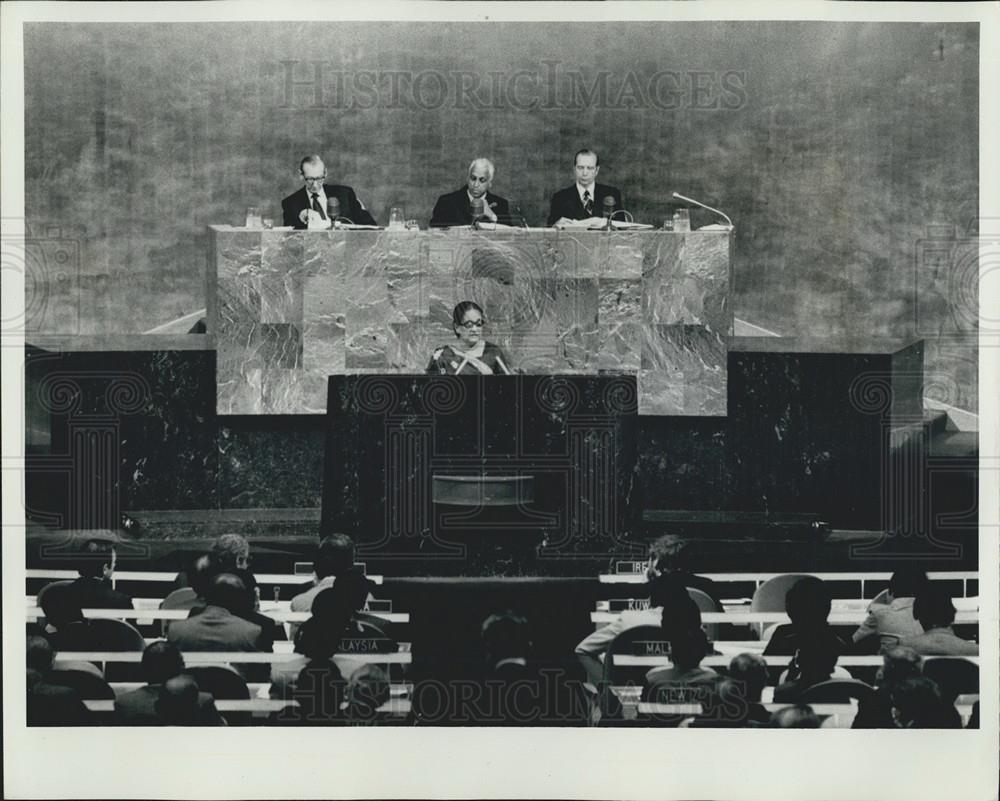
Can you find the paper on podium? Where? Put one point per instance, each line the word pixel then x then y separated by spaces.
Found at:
pixel 625 225
pixel 715 227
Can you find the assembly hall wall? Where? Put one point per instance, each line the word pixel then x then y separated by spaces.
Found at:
pixel 846 153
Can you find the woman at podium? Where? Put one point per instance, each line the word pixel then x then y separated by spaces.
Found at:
pixel 472 354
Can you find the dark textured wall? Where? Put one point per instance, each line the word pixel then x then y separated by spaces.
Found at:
pixel 847 153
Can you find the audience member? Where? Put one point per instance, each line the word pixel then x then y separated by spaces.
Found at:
pixel 672 555
pixel 893 619
pixel 162 663
pixel 685 680
pixel 749 672
pixel 807 604
pixel 367 690
pixel 799 716
pixel 49 703
pixel 316 678
pixel 917 704
pixel 935 611
pixel 198 577
pixel 814 662
pixel 93 590
pixel 61 609
pixel 219 626
pixel 875 711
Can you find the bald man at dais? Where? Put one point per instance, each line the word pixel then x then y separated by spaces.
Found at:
pixel 456 207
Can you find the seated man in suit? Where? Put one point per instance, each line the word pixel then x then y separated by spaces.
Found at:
pixel 161 664
pixel 585 198
pixel 219 627
pixel 48 702
pixel 935 611
pixel 314 195
pixel 456 207
pixel 892 619
pixel 807 605
pixel 93 590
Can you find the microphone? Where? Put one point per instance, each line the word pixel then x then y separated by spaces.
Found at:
pixel 476 209
pixel 679 196
pixel 609 208
pixel 332 210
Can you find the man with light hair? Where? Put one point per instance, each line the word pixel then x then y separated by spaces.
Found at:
pixel 312 199
pixel 472 202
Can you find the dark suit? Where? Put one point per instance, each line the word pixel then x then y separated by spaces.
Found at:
pixel 93 593
pixel 54 705
pixel 566 203
pixel 215 629
pixel 138 708
pixel 350 207
pixel 453 209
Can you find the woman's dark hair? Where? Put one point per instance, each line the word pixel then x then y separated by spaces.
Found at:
pixel 460 309
pixel 907 582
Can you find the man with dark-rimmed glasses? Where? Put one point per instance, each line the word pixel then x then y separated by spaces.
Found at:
pixel 314 196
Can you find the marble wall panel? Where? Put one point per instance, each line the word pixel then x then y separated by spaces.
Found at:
pixel 294 307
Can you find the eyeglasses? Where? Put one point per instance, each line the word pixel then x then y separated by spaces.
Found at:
pixel 313 180
pixel 470 324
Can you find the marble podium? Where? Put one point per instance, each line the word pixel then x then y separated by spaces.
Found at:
pixel 290 308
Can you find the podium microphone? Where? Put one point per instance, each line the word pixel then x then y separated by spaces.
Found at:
pixel 679 196
pixel 332 209
pixel 609 209
pixel 476 209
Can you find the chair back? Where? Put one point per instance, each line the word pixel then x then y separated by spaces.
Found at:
pixel 837 691
pixel 955 676
pixel 224 682
pixel 770 596
pixel 85 682
pixel 101 634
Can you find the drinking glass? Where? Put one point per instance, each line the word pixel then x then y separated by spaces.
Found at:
pixel 396 218
pixel 253 217
pixel 682 220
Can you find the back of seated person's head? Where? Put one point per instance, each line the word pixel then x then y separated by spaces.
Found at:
pixel 60 605
pixel 933 608
pixel 231 551
pixel 816 657
pixel 177 704
pixel 917 704
pixel 334 556
pixel 161 661
pixel 347 595
pixel 907 582
pixel 749 670
pixel 202 570
pixel 799 716
pixel 808 602
pixel 727 702
pixel 688 646
pixel 319 637
pixel 230 592
pixel 668 554
pixel 39 654
pixel 95 555
pixel 666 590
pixel 367 689
pixel 899 663
pixel 505 636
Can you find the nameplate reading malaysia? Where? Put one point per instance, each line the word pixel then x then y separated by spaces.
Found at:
pixel 650 648
pixel 367 645
pixel 628 604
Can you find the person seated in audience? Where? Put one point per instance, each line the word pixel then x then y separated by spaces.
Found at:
pixel 936 613
pixel 685 680
pixel 799 716
pixel 49 703
pixel 178 702
pixel 875 711
pixel 162 663
pixel 61 609
pixel 893 619
pixel 334 558
pixel 749 672
pixel 318 640
pixel 917 704
pixel 367 690
pixel 220 626
pixel 671 555
pixel 665 589
pixel 807 605
pixel 814 663
pixel 197 577
pixel 93 590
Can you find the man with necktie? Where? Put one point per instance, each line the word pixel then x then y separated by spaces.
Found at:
pixel 585 198
pixel 314 196
pixel 472 202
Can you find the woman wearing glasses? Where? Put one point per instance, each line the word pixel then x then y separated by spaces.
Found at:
pixel 471 354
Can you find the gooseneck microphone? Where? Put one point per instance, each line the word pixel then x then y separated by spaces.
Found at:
pixel 332 210
pixel 609 209
pixel 476 208
pixel 722 214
